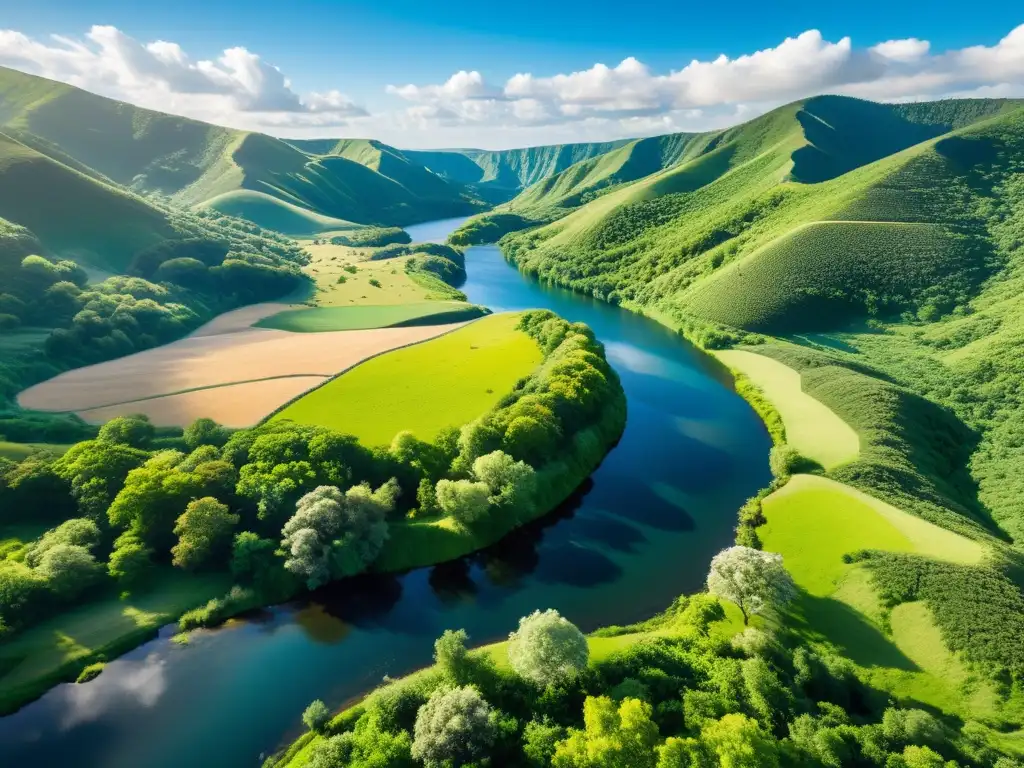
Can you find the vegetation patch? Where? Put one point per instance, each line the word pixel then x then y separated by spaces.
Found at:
pixel 423 388
pixel 320 319
pixel 810 427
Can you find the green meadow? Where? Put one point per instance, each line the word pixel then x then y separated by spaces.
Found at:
pixel 321 319
pixel 443 382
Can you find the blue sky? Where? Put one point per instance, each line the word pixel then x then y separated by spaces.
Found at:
pixel 358 49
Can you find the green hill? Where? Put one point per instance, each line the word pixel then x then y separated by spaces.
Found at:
pixel 500 174
pixel 72 214
pixel 194 162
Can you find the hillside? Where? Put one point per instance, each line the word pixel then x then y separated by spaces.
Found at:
pixel 499 175
pixel 194 162
pixel 884 236
pixel 72 213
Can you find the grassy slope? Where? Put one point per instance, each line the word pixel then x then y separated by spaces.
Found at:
pixel 195 162
pixel 57 649
pixel 446 381
pixel 813 522
pixel 273 213
pixel 371 316
pixel 72 213
pixel 810 427
pixel 330 263
pixel 501 174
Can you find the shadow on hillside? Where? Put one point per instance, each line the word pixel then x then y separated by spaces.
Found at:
pixel 825 619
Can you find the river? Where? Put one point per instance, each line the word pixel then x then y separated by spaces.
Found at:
pixel 639 532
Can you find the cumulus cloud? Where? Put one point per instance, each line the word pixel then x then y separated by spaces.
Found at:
pixel 237 87
pixel 601 102
pixel 631 96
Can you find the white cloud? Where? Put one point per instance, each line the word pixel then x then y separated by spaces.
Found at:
pixel 238 88
pixel 909 49
pixel 630 97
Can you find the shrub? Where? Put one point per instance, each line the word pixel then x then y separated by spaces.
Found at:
pixel 547 648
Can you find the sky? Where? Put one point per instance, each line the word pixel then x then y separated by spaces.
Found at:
pixel 454 74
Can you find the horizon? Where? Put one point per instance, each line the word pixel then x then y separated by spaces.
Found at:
pixel 447 79
pixel 455 149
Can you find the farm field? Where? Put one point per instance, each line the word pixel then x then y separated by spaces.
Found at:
pixel 194 368
pixel 448 381
pixel 811 428
pixel 358 317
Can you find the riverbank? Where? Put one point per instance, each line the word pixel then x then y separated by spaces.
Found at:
pixel 638 533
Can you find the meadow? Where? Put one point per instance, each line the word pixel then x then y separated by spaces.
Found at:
pixel 363 316
pixel 423 388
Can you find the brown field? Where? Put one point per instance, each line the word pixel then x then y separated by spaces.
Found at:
pixel 233 405
pixel 221 371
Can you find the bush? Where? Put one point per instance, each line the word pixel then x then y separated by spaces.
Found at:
pixel 317 716
pixel 547 648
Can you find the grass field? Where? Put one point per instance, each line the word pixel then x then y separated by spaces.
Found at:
pixel 328 265
pixel 812 522
pixel 811 428
pixel 320 319
pixel 58 648
pixel 446 382
pixel 274 213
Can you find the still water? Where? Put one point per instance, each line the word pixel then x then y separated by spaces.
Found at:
pixel 639 532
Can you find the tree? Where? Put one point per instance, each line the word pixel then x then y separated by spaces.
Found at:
pixel 454 728
pixel 512 483
pixel 540 740
pixel 317 716
pixel 333 534
pixel 135 431
pixel 204 432
pixel 252 557
pixel 755 581
pixel 464 501
pixel 204 526
pixel 68 570
pixel 451 656
pixel 738 742
pixel 97 471
pixel 547 648
pixel 80 532
pixel 131 561
pixel 612 737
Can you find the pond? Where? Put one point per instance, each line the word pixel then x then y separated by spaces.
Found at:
pixel 640 531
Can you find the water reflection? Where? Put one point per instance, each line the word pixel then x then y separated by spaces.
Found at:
pixel 131 683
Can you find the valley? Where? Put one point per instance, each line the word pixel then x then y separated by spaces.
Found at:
pixel 313 404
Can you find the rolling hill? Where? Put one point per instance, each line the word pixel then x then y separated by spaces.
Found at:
pixel 195 163
pixel 74 214
pixel 499 175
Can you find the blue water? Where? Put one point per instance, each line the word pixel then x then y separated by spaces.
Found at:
pixel 639 532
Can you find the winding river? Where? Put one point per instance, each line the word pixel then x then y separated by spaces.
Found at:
pixel 639 532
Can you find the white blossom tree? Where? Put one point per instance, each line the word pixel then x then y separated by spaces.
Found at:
pixel 755 581
pixel 454 727
pixel 547 648
pixel 334 534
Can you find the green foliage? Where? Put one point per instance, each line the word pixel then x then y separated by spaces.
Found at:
pixel 316 716
pixel 204 432
pixel 334 534
pixel 547 648
pixel 979 611
pixel 616 737
pixel 216 610
pixel 372 237
pixel 453 728
pixel 90 672
pixel 131 562
pixel 135 431
pixel 205 525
